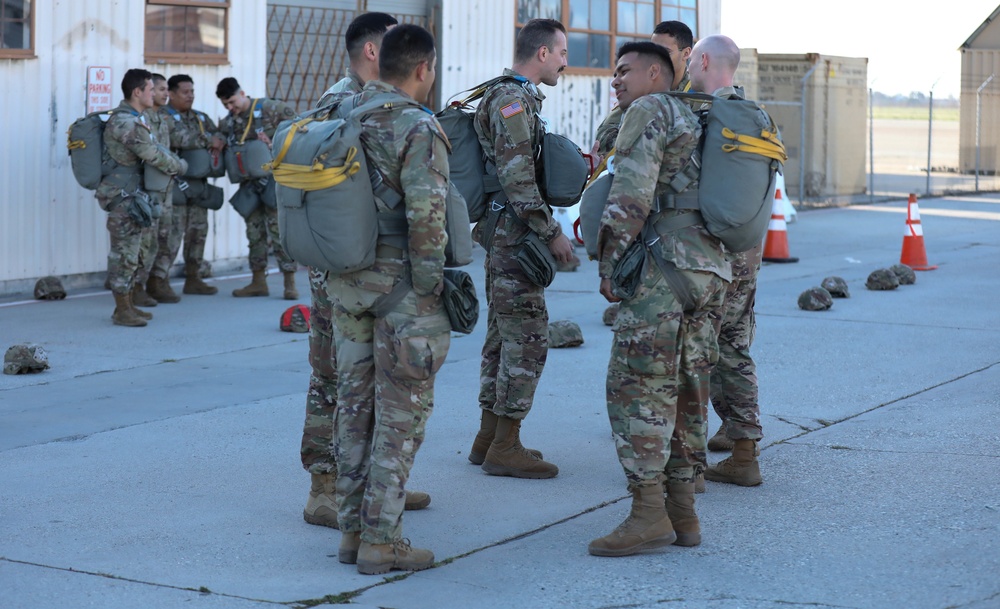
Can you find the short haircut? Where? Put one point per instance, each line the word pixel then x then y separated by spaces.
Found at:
pixel 174 82
pixel 134 79
pixel 227 88
pixel 651 50
pixel 681 33
pixel 158 78
pixel 403 48
pixel 535 34
pixel 367 27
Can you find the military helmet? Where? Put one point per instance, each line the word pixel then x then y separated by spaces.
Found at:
pixel 904 273
pixel 815 299
pixel 49 288
pixel 24 359
pixel 836 286
pixel 295 319
pixel 882 279
pixel 610 314
pixel 565 333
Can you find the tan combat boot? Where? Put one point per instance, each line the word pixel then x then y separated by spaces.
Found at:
pixel 256 287
pixel 647 526
pixel 140 298
pixel 290 292
pixel 699 483
pixel 416 500
pixel 193 283
pixel 124 315
pixel 487 431
pixel 349 545
pixel 160 290
pixel 136 310
pixel 742 468
pixel 720 442
pixel 374 559
pixel 506 456
pixel 680 509
pixel 321 509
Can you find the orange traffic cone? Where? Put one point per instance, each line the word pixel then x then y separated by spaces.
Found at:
pixel 914 255
pixel 776 245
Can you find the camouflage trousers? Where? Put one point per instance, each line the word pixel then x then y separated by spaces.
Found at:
pixel 168 238
pixel 517 330
pixel 385 394
pixel 194 227
pixel 734 380
pixel 149 247
pixel 321 399
pixel 123 257
pixel 262 230
pixel 657 384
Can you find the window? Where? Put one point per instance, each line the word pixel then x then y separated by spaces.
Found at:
pixel 186 31
pixel 596 28
pixel 16 31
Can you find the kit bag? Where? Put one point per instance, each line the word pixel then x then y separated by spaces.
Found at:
pixel 245 159
pixel 87 152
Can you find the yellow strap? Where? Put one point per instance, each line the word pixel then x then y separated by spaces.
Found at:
pixel 246 132
pixel 770 148
pixel 288 142
pixel 201 127
pixel 76 144
pixel 600 167
pixel 315 176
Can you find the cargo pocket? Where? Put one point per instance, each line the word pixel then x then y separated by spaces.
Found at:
pixel 650 350
pixel 418 358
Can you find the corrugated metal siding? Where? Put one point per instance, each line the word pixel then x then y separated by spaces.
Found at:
pixel 977 66
pixel 48 223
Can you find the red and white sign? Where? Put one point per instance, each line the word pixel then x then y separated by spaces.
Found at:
pixel 99 88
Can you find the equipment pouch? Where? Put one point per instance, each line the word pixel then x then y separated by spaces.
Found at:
pixel 140 207
pixel 536 260
pixel 460 301
pixel 267 194
pixel 627 276
pixel 246 200
pixel 211 198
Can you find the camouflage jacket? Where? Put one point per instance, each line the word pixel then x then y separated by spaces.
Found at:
pixel 507 125
pixel 658 135
pixel 607 132
pixel 410 150
pixel 267 115
pixel 130 142
pixel 189 130
pixel 347 85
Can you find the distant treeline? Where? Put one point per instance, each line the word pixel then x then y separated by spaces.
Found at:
pixel 916 99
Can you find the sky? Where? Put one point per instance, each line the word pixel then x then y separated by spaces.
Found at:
pixel 909 45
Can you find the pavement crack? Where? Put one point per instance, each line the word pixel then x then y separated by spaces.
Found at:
pixel 975 602
pixel 792 423
pixel 687 601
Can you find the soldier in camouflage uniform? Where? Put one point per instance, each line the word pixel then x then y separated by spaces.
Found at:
pixel 734 380
pixel 262 222
pixel 189 130
pixel 391 329
pixel 130 143
pixel 659 340
pixel 516 345
pixel 155 291
pixel 363 38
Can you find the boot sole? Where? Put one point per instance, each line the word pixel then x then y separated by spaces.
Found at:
pixel 348 557
pixel 652 544
pixel 366 568
pixel 417 505
pixel 502 470
pixel 725 480
pixel 196 292
pixel 688 540
pixel 319 521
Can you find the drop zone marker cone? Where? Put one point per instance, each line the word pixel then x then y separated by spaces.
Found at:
pixel 776 245
pixel 914 255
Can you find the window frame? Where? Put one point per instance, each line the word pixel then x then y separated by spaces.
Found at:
pixel 29 52
pixel 160 57
pixel 613 32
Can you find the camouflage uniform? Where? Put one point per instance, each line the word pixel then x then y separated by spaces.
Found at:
pixel 149 245
pixel 262 223
pixel 386 361
pixel 516 342
pixel 608 129
pixel 734 379
pixel 129 142
pixel 321 399
pixel 658 346
pixel 189 223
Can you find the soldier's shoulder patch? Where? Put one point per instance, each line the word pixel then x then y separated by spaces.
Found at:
pixel 512 109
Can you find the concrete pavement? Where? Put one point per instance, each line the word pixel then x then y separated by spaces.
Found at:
pixel 158 467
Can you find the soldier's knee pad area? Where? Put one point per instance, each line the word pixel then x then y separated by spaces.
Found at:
pixel 647 350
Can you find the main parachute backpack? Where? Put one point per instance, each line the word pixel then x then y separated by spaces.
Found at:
pixel 87 153
pixel 245 159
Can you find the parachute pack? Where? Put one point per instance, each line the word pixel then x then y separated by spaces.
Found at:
pixel 740 153
pixel 87 153
pixel 245 159
pixel 476 177
pixel 326 190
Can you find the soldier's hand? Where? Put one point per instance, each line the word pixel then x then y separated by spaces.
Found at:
pixel 217 144
pixel 595 159
pixel 561 248
pixel 263 137
pixel 606 291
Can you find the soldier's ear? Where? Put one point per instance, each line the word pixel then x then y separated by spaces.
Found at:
pixel 371 51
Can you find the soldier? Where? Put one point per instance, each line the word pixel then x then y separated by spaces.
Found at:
pixel 391 329
pixel 665 329
pixel 189 130
pixel 363 38
pixel 130 143
pixel 257 119
pixel 157 290
pixel 516 345
pixel 734 379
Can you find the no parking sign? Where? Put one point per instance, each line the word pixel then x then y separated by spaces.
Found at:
pixel 98 88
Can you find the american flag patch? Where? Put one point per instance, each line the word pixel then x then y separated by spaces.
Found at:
pixel 511 109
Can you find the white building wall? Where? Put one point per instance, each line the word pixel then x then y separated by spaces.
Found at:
pixel 49 225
